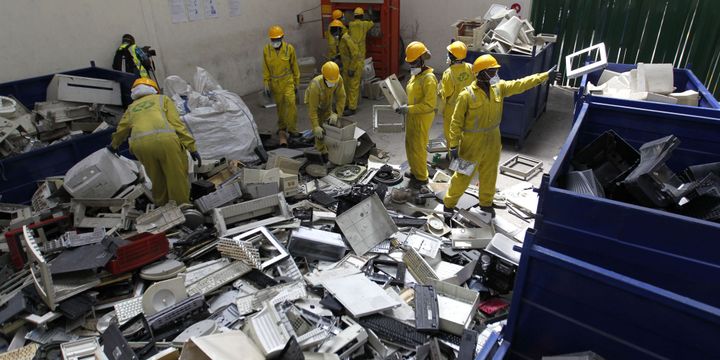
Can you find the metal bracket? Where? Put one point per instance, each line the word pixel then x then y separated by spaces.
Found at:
pixel 508 168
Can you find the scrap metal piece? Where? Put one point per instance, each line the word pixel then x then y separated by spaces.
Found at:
pixel 510 167
pixel 72 239
pixel 222 196
pixel 85 348
pixel 233 214
pixel 366 224
pixel 51 291
pixel 246 247
pixel 456 306
pixel 346 342
pixel 394 91
pixel 471 238
pixel 426 308
pixel 161 219
pixel 359 295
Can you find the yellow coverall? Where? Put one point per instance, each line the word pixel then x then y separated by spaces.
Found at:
pixel 319 99
pixel 422 98
pixel 282 75
pixel 358 33
pixel 351 61
pixel 333 44
pixel 454 79
pixel 475 129
pixel 158 138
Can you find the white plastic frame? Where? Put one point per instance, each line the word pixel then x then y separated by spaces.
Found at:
pixel 571 73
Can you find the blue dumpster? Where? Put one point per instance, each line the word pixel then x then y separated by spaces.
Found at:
pixel 19 174
pixel 683 79
pixel 520 112
pixel 622 280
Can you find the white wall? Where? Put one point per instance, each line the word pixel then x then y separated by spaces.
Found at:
pixel 44 36
pixel 429 21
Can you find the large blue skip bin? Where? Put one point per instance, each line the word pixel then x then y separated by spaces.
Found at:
pixel 19 174
pixel 625 281
pixel 683 79
pixel 520 112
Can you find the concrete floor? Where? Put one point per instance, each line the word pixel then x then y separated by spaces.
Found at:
pixel 543 142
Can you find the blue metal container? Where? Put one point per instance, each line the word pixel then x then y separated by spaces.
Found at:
pixel 520 112
pixel 683 79
pixel 622 280
pixel 19 174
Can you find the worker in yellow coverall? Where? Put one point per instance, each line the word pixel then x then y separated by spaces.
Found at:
pixel 475 129
pixel 358 29
pixel 332 53
pixel 420 112
pixel 350 62
pixel 319 99
pixel 281 76
pixel 158 139
pixel 455 78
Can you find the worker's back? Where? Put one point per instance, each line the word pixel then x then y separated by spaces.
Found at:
pixel 147 116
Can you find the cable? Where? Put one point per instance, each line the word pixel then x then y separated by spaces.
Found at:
pixel 311 9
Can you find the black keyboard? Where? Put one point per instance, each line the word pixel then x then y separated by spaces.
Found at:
pixel 426 308
pixel 394 331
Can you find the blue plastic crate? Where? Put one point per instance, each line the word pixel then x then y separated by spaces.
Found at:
pixel 683 79
pixel 520 112
pixel 622 280
pixel 19 174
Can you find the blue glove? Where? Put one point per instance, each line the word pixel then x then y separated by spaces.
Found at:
pixel 195 156
pixel 453 153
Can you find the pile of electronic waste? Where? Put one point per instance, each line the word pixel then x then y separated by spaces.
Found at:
pixel 75 105
pixel 292 258
pixel 609 167
pixel 500 30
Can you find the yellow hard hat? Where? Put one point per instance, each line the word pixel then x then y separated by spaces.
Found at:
pixel 146 81
pixel 483 62
pixel 275 32
pixel 359 11
pixel 337 23
pixel 337 14
pixel 458 49
pixel 414 50
pixel 331 71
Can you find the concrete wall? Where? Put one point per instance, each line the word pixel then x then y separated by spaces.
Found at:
pixel 429 21
pixel 45 36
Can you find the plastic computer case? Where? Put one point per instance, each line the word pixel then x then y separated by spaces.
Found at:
pixel 610 157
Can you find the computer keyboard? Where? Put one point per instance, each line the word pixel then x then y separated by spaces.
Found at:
pixel 394 331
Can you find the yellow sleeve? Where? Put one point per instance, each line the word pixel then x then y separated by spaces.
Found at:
pixel 368 25
pixel 173 118
pixel 332 46
pixel 519 86
pixel 122 131
pixel 352 47
pixel 458 119
pixel 266 69
pixel 429 101
pixel 294 65
pixel 341 96
pixel 446 85
pixel 313 101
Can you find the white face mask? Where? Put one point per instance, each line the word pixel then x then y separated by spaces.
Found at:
pixel 329 84
pixel 415 70
pixel 448 60
pixel 494 80
pixel 276 44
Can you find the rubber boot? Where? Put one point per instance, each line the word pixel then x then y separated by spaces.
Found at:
pixel 349 112
pixel 488 209
pixel 283 140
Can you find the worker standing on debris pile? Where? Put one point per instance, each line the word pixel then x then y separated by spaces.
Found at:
pixel 455 78
pixel 475 129
pixel 130 58
pixel 319 98
pixel 333 54
pixel 420 110
pixel 358 29
pixel 158 138
pixel 281 77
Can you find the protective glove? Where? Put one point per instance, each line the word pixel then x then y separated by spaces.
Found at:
pixel 113 150
pixel 195 156
pixel 402 109
pixel 318 132
pixel 351 73
pixel 552 73
pixel 453 153
pixel 266 91
pixel 333 119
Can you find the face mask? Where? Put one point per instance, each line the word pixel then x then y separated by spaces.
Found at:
pixel 329 84
pixel 494 80
pixel 276 44
pixel 448 60
pixel 415 70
